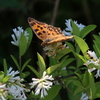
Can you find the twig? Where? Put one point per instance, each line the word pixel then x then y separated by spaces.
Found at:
pixel 55 12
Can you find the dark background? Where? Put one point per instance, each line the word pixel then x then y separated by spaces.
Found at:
pixel 14 13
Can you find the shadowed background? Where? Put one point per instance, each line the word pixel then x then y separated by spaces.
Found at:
pixel 14 13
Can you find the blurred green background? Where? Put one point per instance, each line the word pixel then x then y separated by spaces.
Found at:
pixel 14 13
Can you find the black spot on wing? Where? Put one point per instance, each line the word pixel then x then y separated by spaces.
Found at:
pixel 44 31
pixel 36 30
pixel 40 27
pixel 39 33
pixel 32 24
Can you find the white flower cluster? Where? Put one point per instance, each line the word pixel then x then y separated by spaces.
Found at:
pixel 17 34
pixel 84 97
pixel 42 84
pixel 69 29
pixel 94 60
pixel 13 87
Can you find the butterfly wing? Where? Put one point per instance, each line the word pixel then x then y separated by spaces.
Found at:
pixel 47 33
pixel 55 34
pixel 39 28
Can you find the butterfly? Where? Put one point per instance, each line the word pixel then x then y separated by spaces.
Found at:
pixel 47 33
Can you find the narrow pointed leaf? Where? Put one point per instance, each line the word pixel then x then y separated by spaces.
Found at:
pixel 86 30
pixel 33 70
pixel 76 30
pixel 5 66
pixel 6 78
pixel 53 68
pixel 2 74
pixel 82 44
pixel 41 63
pixel 24 75
pixel 15 61
pixel 30 36
pixel 25 64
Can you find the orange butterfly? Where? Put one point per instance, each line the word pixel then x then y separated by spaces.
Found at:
pixel 47 33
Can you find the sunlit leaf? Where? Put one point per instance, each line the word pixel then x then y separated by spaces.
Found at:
pixel 2 74
pixel 82 44
pixel 41 64
pixel 76 30
pixel 86 30
pixel 53 68
pixel 5 79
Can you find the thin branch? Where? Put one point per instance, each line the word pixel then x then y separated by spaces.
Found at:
pixel 55 12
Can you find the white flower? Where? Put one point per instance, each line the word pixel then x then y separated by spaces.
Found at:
pixel 92 54
pixel 68 30
pixel 17 34
pixel 80 26
pixel 14 85
pixel 3 93
pixel 42 84
pixel 17 91
pixel 84 97
pixel 97 74
pixel 93 60
pixel 13 75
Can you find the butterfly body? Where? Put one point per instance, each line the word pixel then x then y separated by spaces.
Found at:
pixel 47 33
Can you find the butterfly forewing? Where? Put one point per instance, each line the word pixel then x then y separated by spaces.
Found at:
pixel 39 28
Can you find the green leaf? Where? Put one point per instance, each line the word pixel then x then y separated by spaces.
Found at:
pixel 30 36
pixel 82 44
pixel 5 66
pixel 2 74
pixel 97 94
pixel 41 64
pixel 52 68
pixel 52 92
pixel 78 89
pixel 96 47
pixel 85 79
pixel 91 84
pixel 85 31
pixel 63 52
pixel 67 61
pixel 80 56
pixel 70 46
pixel 24 75
pixel 6 78
pixel 34 71
pixel 79 76
pixel 75 28
pixel 15 61
pixel 78 83
pixel 97 38
pixel 22 45
pixel 25 64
